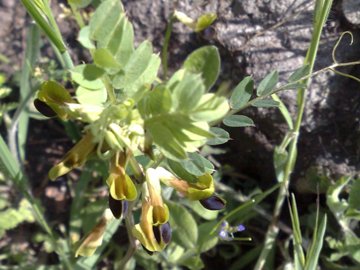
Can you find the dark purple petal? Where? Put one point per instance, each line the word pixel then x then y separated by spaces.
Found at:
pixel 157 234
pixel 166 232
pixel 115 206
pixel 213 203
pixel 162 233
pixel 43 108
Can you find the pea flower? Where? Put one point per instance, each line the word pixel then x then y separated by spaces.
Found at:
pixel 75 158
pixel 120 184
pixel 153 231
pixel 89 244
pixel 202 190
pixel 53 99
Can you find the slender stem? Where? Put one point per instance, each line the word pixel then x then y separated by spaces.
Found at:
pixel 273 229
pixel 238 196
pixel 288 85
pixel 129 222
pixel 109 89
pixel 165 48
pixel 68 63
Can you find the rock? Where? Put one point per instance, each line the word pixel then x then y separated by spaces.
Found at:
pixel 351 10
pixel 254 38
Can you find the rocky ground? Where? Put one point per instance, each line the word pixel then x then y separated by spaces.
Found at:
pixel 254 37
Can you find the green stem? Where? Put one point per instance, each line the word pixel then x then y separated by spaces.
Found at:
pixel 165 48
pixel 109 89
pixel 68 63
pixel 322 8
pixel 44 18
pixel 129 222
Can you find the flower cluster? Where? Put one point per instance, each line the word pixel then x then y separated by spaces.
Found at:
pixel 113 133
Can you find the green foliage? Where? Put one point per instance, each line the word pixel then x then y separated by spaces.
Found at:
pixel 268 83
pixel 129 114
pixel 11 217
pixel 310 261
pixel 242 93
pixel 221 136
pixel 238 121
pixel 205 61
pixel 185 230
pixel 346 213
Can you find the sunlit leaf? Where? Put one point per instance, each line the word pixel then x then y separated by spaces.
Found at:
pixel 104 20
pixel 104 59
pixel 187 93
pixel 210 108
pixel 205 61
pixel 156 102
pixel 88 76
pixel 135 67
pixel 84 38
pixel 87 96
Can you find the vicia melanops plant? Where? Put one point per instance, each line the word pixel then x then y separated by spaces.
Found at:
pixel 149 128
pixel 128 112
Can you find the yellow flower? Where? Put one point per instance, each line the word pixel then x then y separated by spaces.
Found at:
pixel 76 157
pixel 153 238
pixel 202 189
pixel 89 244
pixel 153 231
pixel 152 193
pixel 53 97
pixel 121 185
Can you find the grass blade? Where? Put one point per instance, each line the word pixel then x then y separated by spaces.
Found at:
pixel 312 257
